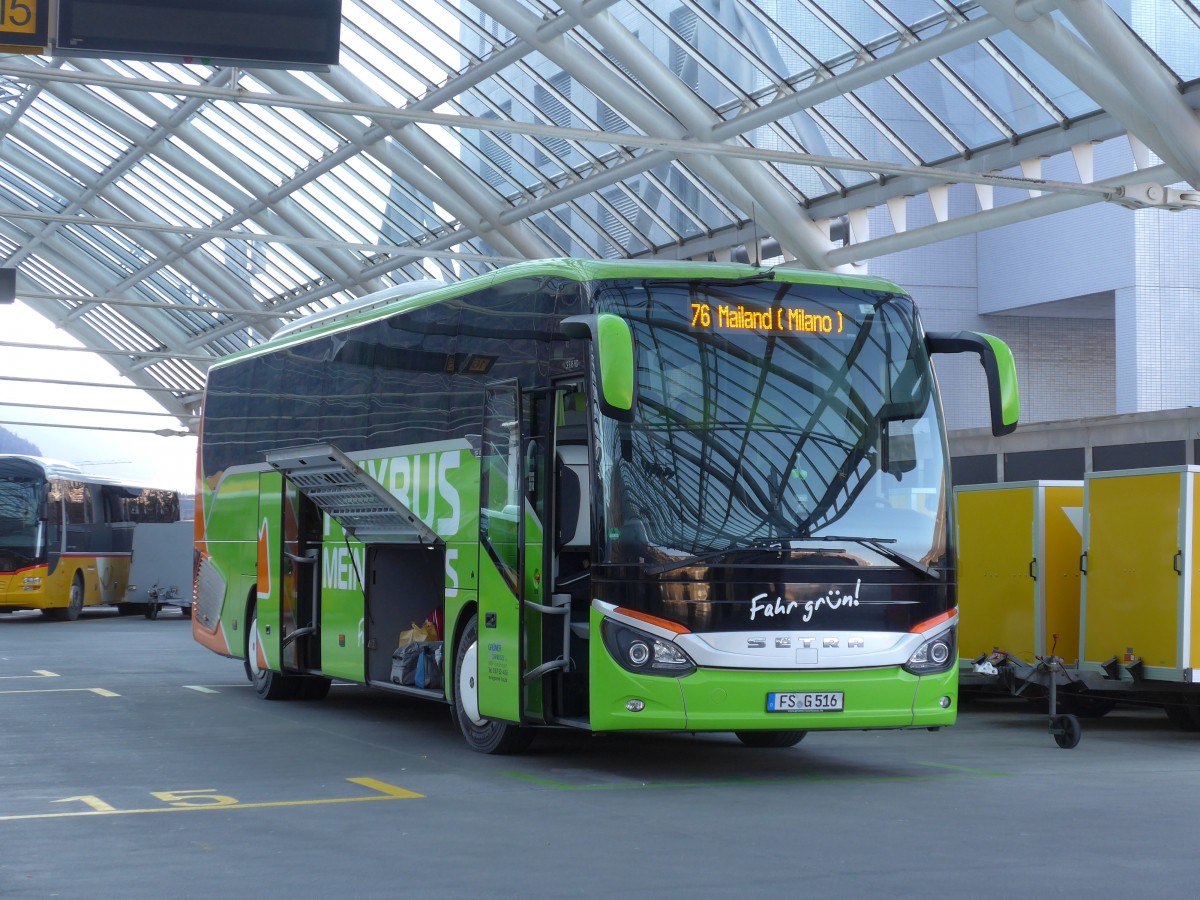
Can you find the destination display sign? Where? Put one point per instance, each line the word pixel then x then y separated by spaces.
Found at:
pixel 733 317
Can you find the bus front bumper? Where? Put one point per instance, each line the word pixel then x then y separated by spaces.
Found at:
pixel 25 589
pixel 736 699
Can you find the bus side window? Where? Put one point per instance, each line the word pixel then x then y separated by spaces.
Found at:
pixel 53 515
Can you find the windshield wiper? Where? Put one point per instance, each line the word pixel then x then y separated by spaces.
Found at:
pixel 880 546
pixel 751 544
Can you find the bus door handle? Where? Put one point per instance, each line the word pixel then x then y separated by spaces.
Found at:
pixel 1033 568
pixel 1177 562
pixel 299 632
pixel 1083 563
pixel 560 605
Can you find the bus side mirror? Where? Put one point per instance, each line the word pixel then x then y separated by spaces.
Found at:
pixel 998 366
pixel 613 341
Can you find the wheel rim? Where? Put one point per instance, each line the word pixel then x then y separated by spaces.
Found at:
pixel 76 600
pixel 468 686
pixel 256 674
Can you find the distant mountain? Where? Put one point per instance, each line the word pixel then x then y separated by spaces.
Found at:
pixel 10 443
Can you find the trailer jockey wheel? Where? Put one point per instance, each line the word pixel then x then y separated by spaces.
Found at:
pixel 1066 731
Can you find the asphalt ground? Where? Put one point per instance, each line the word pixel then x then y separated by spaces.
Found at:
pixel 135 764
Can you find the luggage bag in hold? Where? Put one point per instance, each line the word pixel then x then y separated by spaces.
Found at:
pixel 418 665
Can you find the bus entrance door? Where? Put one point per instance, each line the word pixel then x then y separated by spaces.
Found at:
pixel 516 608
pixel 300 589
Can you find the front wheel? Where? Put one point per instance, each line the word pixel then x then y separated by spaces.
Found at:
pixel 267 684
pixel 484 735
pixel 74 607
pixel 75 601
pixel 770 738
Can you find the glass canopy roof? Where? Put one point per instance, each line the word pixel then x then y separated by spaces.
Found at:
pixel 168 214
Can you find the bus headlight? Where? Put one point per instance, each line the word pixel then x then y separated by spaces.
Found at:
pixel 937 654
pixel 642 653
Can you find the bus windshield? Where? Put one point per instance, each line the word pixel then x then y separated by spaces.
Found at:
pixel 20 499
pixel 774 415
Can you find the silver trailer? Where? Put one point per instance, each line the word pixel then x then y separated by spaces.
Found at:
pixel 160 572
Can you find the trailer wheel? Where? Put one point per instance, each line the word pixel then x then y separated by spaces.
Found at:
pixel 1184 716
pixel 484 735
pixel 1066 731
pixel 770 738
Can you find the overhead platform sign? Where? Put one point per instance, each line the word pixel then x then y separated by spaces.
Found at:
pixel 289 34
pixel 23 26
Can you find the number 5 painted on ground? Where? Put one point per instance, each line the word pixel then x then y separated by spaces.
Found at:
pixel 205 797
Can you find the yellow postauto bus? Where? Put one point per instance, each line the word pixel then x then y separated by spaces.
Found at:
pixel 66 537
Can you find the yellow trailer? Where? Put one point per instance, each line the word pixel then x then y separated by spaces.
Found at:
pixel 1138 612
pixel 1019 546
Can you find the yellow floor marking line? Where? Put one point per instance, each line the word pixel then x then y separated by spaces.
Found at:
pixel 384 788
pixel 100 808
pixel 99 691
pixel 38 673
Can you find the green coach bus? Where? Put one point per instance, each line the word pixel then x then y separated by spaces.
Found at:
pixel 604 495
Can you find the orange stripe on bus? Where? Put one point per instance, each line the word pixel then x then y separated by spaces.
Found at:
pixel 921 627
pixel 655 620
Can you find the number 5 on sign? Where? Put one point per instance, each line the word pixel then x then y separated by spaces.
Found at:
pixel 23 22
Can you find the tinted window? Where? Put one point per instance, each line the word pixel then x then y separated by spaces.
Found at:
pixel 410 379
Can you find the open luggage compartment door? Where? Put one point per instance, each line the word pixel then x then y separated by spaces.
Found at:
pixel 346 493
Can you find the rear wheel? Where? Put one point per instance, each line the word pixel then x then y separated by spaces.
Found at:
pixel 484 735
pixel 770 738
pixel 267 684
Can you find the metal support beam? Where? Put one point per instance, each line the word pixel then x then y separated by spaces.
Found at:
pixel 1145 79
pixel 1009 214
pixel 1101 74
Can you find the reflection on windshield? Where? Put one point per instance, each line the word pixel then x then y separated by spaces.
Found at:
pixel 18 518
pixel 804 410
